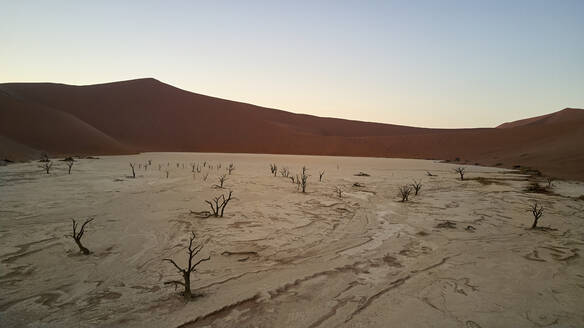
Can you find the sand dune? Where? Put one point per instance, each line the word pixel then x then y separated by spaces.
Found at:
pixel 148 115
pixel 565 115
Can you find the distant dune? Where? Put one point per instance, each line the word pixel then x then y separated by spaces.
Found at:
pixel 148 115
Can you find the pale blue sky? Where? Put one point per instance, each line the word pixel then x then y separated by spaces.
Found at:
pixel 423 63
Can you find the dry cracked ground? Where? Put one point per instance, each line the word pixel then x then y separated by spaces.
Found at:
pixel 459 254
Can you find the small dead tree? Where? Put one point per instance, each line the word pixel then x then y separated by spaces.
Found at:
pixel 274 169
pixel 221 179
pixel 230 168
pixel 70 165
pixel 166 173
pixel 133 171
pixel 285 172
pixel 320 175
pixel 460 170
pixel 417 185
pixel 404 192
pixel 339 191
pixel 77 235
pixel 550 182
pixel 189 269
pixel 193 166
pixel 537 211
pixel 218 204
pixel 47 166
pixel 303 179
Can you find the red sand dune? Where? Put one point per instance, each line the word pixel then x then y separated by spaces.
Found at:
pixel 148 115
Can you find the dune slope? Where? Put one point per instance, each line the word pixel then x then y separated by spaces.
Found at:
pixel 148 115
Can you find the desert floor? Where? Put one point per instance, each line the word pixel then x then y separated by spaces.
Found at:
pixel 282 258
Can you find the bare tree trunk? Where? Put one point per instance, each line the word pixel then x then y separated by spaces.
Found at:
pixel 304 179
pixel 188 294
pixel 133 171
pixel 82 248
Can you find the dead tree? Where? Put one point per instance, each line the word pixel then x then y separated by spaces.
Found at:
pixel 274 169
pixel 417 185
pixel 77 235
pixel 537 212
pixel 404 192
pixel 303 179
pixel 166 174
pixel 285 172
pixel 193 166
pixel 189 269
pixel 550 181
pixel 70 165
pixel 339 191
pixel 460 170
pixel 47 166
pixel 149 162
pixel 292 178
pixel 133 171
pixel 218 205
pixel 221 179
pixel 230 168
pixel 320 175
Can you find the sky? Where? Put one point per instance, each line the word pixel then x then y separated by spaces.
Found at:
pixel 420 63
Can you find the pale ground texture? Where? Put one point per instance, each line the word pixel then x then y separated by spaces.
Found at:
pixel 281 258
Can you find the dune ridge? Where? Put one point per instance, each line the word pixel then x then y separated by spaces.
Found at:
pixel 148 115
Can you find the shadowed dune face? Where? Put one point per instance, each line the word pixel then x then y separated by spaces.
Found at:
pixel 147 115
